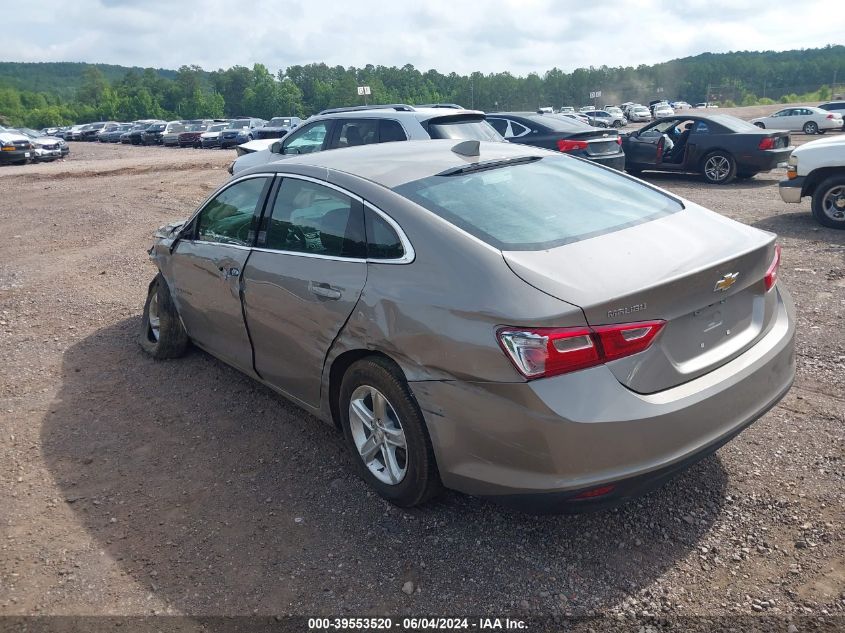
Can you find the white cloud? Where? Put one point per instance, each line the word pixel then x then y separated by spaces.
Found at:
pixel 518 36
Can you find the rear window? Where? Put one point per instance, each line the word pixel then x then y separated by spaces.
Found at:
pixel 540 204
pixel 471 129
pixel 733 124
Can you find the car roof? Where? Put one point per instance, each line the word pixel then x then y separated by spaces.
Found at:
pixel 394 164
pixel 419 114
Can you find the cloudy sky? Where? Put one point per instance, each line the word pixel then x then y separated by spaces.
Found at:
pixel 519 36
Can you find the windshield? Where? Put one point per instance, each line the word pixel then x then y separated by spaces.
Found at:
pixel 156 127
pixel 540 204
pixel 278 122
pixel 218 127
pixel 196 127
pixel 238 125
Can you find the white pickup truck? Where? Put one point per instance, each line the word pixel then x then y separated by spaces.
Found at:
pixel 817 169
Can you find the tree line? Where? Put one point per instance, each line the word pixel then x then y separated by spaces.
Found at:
pixel 30 95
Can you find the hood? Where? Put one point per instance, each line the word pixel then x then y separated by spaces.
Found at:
pixel 828 140
pixel 257 145
pixel 8 137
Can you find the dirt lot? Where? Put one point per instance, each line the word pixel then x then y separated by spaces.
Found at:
pixel 135 487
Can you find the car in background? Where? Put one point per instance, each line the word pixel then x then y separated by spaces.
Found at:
pixel 662 110
pixel 817 169
pixel 155 133
pixel 720 147
pixel 498 319
pixel 338 128
pixel 566 109
pixel 680 105
pixel 705 104
pixel 45 148
pixel 835 106
pixel 77 130
pixel 560 133
pixel 801 119
pixel 211 137
pixel 15 148
pixel 191 136
pixel 170 136
pixel 239 131
pixel 135 135
pixel 90 131
pixel 113 135
pixel 276 127
pixel 607 119
pixel 639 113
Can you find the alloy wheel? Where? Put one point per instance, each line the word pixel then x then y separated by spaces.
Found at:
pixel 833 203
pixel 717 168
pixel 378 435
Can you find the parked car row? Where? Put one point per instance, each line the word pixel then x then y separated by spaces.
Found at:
pixel 19 146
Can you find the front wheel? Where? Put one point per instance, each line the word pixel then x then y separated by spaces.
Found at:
pixel 162 335
pixel 829 202
pixel 811 127
pixel 386 433
pixel 719 168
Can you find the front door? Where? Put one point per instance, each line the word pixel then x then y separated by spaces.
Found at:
pixel 302 282
pixel 206 269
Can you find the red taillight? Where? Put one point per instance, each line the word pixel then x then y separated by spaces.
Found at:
pixel 565 145
pixel 830 116
pixel 767 143
pixel 540 352
pixel 619 140
pixel 772 273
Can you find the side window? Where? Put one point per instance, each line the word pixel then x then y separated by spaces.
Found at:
pixel 357 132
pixel 310 218
pixel 517 129
pixel 306 140
pixel 382 240
pixel 227 218
pixel 390 130
pixel 500 125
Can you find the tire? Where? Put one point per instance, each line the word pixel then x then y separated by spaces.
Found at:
pixel 829 202
pixel 718 168
pixel 170 340
pixel 403 476
pixel 762 126
pixel 811 127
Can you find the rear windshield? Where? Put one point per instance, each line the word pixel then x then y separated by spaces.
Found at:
pixel 733 123
pixel 540 204
pixel 561 123
pixel 463 129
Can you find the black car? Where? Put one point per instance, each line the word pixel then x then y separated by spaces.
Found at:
pixel 277 127
pixel 154 134
pixel 720 147
pixel 113 135
pixel 835 106
pixel 90 132
pixel 557 132
pixel 135 136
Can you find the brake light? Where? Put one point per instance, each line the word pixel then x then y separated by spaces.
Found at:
pixel 565 145
pixel 830 116
pixel 772 273
pixel 619 140
pixel 767 143
pixel 541 352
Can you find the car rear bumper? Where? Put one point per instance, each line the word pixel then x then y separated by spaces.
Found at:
pixel 541 443
pixel 16 156
pixel 764 160
pixel 790 190
pixel 616 161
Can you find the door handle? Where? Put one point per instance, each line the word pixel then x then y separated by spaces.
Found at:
pixel 324 290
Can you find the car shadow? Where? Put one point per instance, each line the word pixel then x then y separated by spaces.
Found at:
pixel 220 497
pixel 800 225
pixel 661 179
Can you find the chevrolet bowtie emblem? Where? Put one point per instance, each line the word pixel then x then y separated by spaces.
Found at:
pixel 725 282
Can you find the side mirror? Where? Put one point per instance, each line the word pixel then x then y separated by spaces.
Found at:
pixel 276 147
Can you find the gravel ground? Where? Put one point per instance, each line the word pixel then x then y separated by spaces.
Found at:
pixel 134 487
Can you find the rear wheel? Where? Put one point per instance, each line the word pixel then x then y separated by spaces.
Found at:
pixel 386 433
pixel 718 168
pixel 829 202
pixel 810 127
pixel 162 335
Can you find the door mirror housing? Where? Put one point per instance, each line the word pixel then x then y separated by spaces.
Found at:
pixel 276 147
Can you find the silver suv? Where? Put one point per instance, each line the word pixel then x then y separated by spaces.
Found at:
pixel 363 125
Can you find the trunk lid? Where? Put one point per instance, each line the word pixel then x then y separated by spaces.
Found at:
pixel 666 269
pixel 599 142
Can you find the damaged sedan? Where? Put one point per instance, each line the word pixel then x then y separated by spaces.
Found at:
pixel 501 320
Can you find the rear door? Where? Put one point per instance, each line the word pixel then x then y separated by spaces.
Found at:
pixel 205 270
pixel 303 281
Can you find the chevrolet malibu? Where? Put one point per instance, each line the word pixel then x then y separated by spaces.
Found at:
pixel 498 319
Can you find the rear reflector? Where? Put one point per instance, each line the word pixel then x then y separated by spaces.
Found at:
pixel 595 492
pixel 541 352
pixel 767 143
pixel 772 273
pixel 565 145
